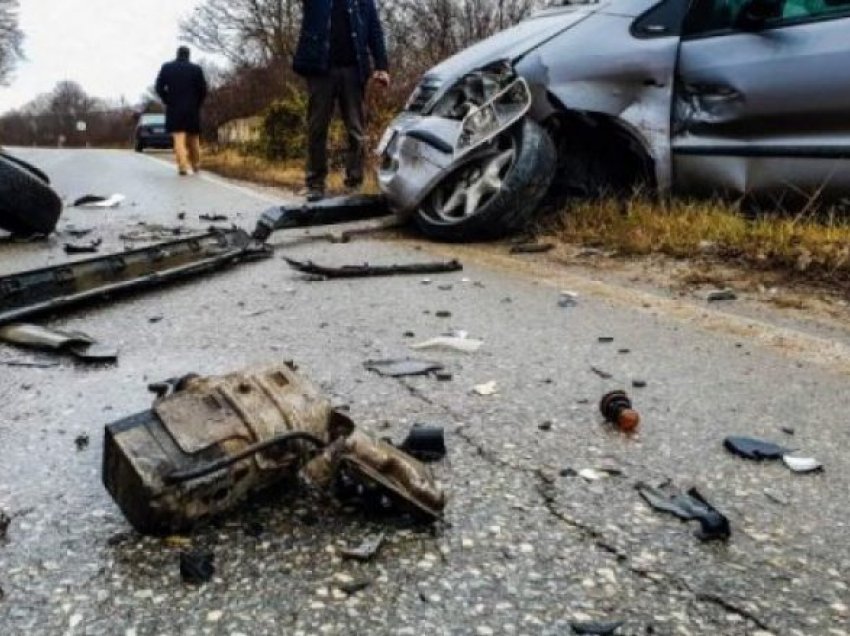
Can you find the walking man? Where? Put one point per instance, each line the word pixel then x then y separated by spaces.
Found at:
pixel 340 42
pixel 182 87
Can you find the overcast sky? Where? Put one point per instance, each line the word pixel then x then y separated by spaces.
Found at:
pixel 111 47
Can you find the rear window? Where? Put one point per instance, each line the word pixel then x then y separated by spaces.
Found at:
pixel 152 119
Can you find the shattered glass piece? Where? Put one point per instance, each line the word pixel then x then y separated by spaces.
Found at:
pixel 713 524
pixel 197 567
pixel 367 549
pixel 464 345
pixel 802 464
pixel 598 628
pixel 591 474
pixel 752 448
pixel 488 388
pixel 402 368
pixel 425 443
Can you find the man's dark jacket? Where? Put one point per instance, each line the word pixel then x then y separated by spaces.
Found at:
pixel 313 54
pixel 182 88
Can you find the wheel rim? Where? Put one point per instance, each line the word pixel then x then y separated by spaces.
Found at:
pixel 462 195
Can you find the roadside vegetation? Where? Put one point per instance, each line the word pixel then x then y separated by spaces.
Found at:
pixel 808 246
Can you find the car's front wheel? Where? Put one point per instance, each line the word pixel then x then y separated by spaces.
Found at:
pixel 495 194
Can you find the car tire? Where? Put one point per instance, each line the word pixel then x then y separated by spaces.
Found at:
pixel 513 206
pixel 28 205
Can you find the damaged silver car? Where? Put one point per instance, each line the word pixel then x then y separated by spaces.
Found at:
pixel 744 98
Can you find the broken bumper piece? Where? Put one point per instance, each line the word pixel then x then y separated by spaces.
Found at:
pixel 334 211
pixel 215 440
pixel 39 291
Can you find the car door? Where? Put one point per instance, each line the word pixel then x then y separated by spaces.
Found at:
pixel 764 110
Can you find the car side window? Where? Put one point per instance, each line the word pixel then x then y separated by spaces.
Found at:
pixel 720 16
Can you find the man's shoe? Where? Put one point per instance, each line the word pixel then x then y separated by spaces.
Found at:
pixel 315 194
pixel 182 172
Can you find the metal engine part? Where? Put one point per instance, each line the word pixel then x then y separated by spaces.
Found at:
pixel 215 440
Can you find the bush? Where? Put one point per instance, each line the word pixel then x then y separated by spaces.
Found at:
pixel 283 134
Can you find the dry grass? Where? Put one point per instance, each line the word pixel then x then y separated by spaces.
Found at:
pixel 234 164
pixel 808 245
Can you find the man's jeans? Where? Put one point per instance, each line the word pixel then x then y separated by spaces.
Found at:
pixel 343 86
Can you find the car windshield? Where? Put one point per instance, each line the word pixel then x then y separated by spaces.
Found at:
pixel 152 119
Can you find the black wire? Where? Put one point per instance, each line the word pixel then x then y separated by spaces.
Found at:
pixel 202 471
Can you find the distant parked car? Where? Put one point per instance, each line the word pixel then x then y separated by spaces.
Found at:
pixel 743 98
pixel 151 133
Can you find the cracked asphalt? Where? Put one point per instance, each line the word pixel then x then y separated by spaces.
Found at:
pixel 526 546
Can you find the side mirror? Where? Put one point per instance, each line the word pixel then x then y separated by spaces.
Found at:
pixel 755 13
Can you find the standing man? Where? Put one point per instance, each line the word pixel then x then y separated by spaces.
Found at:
pixel 338 38
pixel 182 88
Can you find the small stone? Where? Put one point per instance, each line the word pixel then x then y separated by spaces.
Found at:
pixel 605 339
pixel 443 314
pixel 214 616
pixel 483 630
pixel 639 384
pixel 81 441
pixel 545 426
pixel 409 334
pixel 526 548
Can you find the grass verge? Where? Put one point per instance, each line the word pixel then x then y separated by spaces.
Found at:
pixel 813 247
pixel 235 164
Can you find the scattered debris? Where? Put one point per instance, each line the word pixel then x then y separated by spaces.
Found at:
pixel 152 232
pixel 5 521
pixel 366 270
pixel 775 497
pixel 30 365
pixel 213 218
pixel 532 248
pixel 596 628
pixel 605 339
pixel 616 408
pixel 639 384
pixel 568 299
pixel 425 443
pixel 593 474
pixel 602 374
pixel 402 368
pixel 197 566
pixel 721 294
pixel 690 506
pixel 357 585
pixel 81 442
pixel 545 426
pixel 787 430
pixel 39 291
pixel 366 550
pixel 155 319
pixel 802 464
pixel 83 248
pixel 752 448
pixel 454 343
pixel 488 388
pixel 77 232
pixel 443 314
pixel 443 376
pixel 96 201
pixel 80 345
pixel 171 466
pixel 624 351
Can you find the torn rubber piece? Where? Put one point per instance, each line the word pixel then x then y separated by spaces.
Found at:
pixel 97 201
pixel 802 464
pixel 752 448
pixel 713 524
pixel 197 566
pixel 366 270
pixel 402 368
pixel 599 628
pixel 332 211
pixel 425 443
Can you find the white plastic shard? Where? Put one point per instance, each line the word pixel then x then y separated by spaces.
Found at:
pixel 802 464
pixel 112 202
pixel 488 388
pixel 464 345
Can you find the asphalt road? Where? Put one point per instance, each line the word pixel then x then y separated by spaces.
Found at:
pixel 526 545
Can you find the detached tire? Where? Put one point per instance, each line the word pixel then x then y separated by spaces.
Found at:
pixel 496 195
pixel 28 205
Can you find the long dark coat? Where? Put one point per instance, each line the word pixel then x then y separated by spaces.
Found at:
pixel 312 57
pixel 182 88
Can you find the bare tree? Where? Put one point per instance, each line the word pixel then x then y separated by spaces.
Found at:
pixel 11 39
pixel 246 32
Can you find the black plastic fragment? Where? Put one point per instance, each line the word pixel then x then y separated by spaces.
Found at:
pixel 713 524
pixel 197 566
pixel 87 199
pixel 366 270
pixel 752 448
pixel 83 248
pixel 403 367
pixel 425 443
pixel 608 628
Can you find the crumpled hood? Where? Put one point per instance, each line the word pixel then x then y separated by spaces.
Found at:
pixel 509 44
